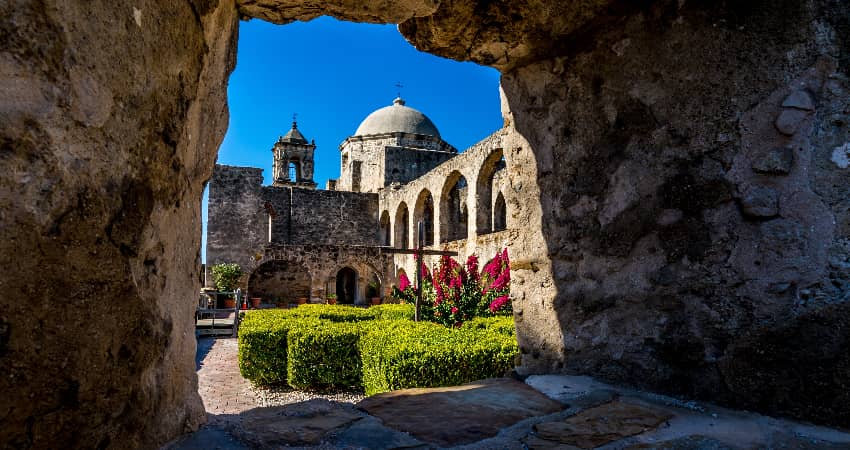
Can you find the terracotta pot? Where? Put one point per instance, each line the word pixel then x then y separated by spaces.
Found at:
pixel 376 300
pixel 229 303
pixel 255 302
pixel 302 300
pixel 332 301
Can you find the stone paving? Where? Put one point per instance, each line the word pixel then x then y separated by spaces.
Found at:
pixel 222 388
pixel 543 412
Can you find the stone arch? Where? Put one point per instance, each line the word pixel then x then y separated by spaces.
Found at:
pixel 280 280
pixel 293 169
pixel 453 218
pixel 401 237
pixel 424 212
pixel 484 190
pixel 500 213
pixel 385 228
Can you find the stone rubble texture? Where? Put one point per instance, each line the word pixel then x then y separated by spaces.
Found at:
pixel 632 131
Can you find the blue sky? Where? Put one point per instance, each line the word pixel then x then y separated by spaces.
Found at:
pixel 333 74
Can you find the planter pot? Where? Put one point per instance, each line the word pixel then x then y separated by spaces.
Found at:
pixel 376 300
pixel 255 302
pixel 229 303
pixel 302 300
pixel 332 301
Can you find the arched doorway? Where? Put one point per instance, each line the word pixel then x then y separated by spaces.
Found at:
pixel 279 281
pixel 424 212
pixel 346 285
pixel 453 220
pixel 385 228
pixel 401 227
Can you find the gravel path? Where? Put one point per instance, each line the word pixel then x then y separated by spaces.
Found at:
pixel 278 396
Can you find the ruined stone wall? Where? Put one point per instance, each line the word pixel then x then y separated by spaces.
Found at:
pixel 476 162
pixel 237 220
pixel 333 217
pixel 403 164
pixel 322 262
pixel 692 205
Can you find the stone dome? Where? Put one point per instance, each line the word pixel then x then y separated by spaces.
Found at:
pixel 397 118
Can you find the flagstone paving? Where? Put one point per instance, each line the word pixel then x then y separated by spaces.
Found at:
pixel 543 412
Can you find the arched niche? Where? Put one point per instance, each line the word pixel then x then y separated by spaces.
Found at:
pixel 278 280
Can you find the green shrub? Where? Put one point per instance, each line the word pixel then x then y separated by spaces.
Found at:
pixel 262 346
pixel 334 313
pixel 324 356
pixel 410 354
pixel 393 311
pixel 226 276
pixel 322 346
pixel 498 324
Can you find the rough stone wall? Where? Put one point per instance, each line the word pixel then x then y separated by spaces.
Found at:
pixel 403 164
pixel 333 217
pixel 111 116
pixel 322 262
pixel 237 219
pixel 693 209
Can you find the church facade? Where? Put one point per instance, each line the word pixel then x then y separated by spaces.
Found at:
pixel 296 241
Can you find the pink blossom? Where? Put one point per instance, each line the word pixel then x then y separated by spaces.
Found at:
pixel 454 309
pixel 498 303
pixel 403 282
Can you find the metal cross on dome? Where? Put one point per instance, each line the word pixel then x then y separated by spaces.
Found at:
pixel 398 86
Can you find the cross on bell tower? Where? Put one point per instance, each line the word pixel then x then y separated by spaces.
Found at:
pixel 293 159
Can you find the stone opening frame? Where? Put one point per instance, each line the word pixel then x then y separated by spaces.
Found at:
pixel 484 191
pixel 452 214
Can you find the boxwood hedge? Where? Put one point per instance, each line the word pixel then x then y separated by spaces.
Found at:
pixel 379 348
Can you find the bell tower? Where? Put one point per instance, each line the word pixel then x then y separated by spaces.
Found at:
pixel 293 159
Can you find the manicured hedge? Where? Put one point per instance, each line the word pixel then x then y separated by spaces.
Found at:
pixel 426 355
pixel 390 311
pixel 263 345
pixel 323 346
pixel 324 356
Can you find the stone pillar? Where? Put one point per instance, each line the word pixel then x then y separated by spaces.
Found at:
pixel 693 187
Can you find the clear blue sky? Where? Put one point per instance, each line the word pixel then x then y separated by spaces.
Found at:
pixel 333 74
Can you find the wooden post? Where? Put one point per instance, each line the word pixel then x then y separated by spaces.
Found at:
pixel 419 262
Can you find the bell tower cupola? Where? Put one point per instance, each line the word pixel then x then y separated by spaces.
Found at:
pixel 293 159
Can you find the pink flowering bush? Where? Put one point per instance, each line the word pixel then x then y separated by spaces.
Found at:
pixel 454 293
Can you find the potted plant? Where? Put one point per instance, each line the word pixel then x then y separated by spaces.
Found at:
pixel 331 299
pixel 372 293
pixel 255 302
pixel 226 276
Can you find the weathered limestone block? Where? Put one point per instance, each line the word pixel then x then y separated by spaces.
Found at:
pixel 110 121
pixel 647 141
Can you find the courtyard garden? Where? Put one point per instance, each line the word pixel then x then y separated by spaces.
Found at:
pixel 467 334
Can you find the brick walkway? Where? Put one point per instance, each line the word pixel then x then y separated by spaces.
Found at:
pixel 222 388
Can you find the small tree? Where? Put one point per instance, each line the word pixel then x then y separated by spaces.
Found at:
pixel 226 276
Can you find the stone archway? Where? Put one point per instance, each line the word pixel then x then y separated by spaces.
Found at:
pixel 280 281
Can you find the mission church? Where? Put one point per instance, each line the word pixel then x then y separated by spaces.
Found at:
pixel 294 240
